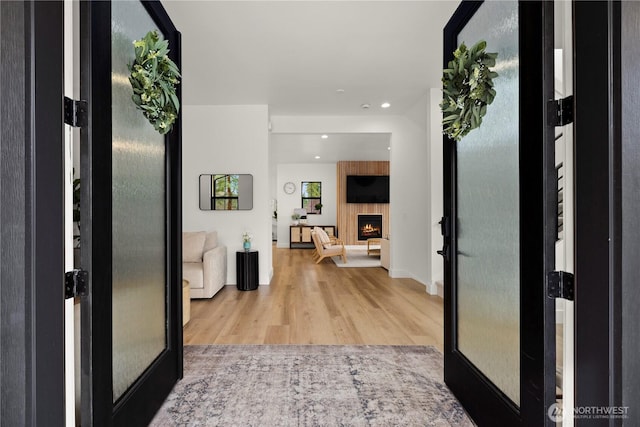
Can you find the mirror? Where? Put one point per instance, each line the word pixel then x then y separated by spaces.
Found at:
pixel 226 192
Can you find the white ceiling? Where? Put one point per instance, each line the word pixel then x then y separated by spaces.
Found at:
pixel 298 148
pixel 295 55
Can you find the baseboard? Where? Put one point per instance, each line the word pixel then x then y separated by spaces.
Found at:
pixel 394 273
pixel 440 289
pixel 434 289
pixel 431 288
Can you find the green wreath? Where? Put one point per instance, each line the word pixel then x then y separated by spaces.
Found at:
pixel 468 89
pixel 154 78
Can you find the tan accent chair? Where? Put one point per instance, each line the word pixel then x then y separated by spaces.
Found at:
pixel 324 238
pixel 204 263
pixel 327 248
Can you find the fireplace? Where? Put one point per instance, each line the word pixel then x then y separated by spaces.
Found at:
pixel 369 227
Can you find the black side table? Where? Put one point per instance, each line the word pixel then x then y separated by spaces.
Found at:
pixel 247 270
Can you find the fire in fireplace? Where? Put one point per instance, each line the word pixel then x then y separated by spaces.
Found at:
pixel 369 227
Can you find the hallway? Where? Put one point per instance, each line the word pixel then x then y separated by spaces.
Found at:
pixel 375 360
pixel 309 303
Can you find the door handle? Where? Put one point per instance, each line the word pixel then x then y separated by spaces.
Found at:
pixel 444 226
pixel 444 252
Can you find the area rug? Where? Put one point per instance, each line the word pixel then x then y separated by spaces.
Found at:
pixel 357 257
pixel 291 385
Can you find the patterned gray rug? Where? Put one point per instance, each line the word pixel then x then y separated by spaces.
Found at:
pixel 292 385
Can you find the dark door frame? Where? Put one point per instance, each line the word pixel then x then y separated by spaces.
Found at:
pixel 626 33
pixel 140 403
pixel 486 404
pixel 598 218
pixel 32 214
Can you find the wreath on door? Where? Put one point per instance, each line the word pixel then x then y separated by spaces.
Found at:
pixel 467 86
pixel 154 77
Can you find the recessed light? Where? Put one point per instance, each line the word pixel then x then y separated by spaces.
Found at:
pixel 365 106
pixel 324 136
pixel 385 105
pixel 340 91
pixel 389 148
pixel 317 157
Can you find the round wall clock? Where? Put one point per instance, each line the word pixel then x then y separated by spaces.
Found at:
pixel 289 187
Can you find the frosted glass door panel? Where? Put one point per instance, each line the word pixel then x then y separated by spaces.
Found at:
pixel 139 223
pixel 488 212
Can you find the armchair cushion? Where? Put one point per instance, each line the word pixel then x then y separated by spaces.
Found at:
pixel 210 241
pixel 215 266
pixel 192 246
pixel 323 251
pixel 204 263
pixel 324 237
pixel 192 271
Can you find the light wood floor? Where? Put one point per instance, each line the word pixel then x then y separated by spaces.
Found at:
pixel 319 304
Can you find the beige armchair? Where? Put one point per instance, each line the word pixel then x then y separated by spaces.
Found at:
pixel 326 247
pixel 204 263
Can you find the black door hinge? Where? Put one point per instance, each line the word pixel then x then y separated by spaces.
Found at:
pixel 75 283
pixel 560 284
pixel 560 111
pixel 75 112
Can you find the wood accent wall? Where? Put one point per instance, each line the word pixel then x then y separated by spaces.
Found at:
pixel 347 213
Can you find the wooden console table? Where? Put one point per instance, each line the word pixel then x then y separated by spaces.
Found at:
pixel 373 247
pixel 300 235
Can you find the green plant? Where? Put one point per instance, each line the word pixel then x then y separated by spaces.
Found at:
pixel 154 78
pixel 318 206
pixel 467 84
pixel 295 216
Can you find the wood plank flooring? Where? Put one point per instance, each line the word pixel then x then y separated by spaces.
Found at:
pixel 309 303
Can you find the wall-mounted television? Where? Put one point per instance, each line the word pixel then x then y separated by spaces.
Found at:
pixel 367 189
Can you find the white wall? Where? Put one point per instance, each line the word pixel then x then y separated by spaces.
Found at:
pixel 419 113
pixel 229 139
pixel 436 153
pixel 273 193
pixel 296 173
pixel 410 229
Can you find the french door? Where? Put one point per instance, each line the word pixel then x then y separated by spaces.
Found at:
pixel 131 225
pixel 499 223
